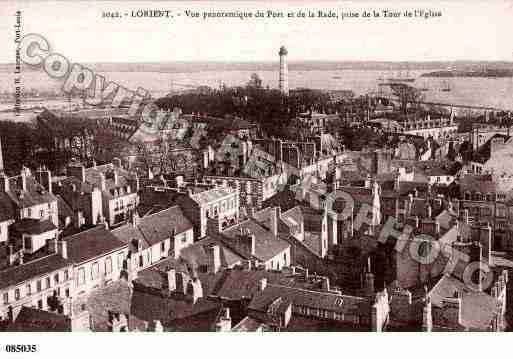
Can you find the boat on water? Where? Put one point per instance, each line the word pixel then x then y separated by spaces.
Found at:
pixel 400 79
pixel 446 87
pixel 336 77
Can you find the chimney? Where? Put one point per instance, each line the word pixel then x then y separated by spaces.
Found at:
pixel 4 183
pixel 116 162
pixel 195 289
pixel 452 308
pixel 224 323
pixel 135 219
pixel 214 258
pixel 11 256
pixel 103 185
pixel 156 327
pixel 429 211
pixel 171 280
pixel 427 318
pixel 369 280
pixel 466 216
pixel 181 282
pixel 325 283
pixel 262 284
pixel 53 245
pixel 485 238
pixel 274 219
pixel 23 180
pixel 62 248
pixel 253 243
pixel 77 171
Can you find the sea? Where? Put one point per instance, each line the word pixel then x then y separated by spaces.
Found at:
pixel 469 91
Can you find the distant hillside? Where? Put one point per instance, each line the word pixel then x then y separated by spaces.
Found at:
pixel 172 67
pixel 471 73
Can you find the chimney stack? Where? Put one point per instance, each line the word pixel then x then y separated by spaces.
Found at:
pixel 116 162
pixel 4 183
pixel 77 171
pixel 23 180
pixel 103 184
pixel 171 280
pixel 262 284
pixel 274 219
pixel 253 244
pixel 62 248
pixel 214 258
pixel 45 179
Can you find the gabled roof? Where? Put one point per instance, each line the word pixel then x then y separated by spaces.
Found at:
pixel 92 243
pixel 34 195
pixel 155 228
pixel 267 245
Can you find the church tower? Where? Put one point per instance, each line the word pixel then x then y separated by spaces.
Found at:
pixel 284 73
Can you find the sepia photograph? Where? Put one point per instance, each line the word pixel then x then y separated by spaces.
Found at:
pixel 248 166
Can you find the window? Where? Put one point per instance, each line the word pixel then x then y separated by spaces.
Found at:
pixel 41 213
pixel 162 247
pixel 40 304
pixel 81 276
pixel 47 283
pixel 183 238
pixel 67 292
pixel 120 261
pixel 56 278
pixel 108 265
pixel 29 289
pixel 95 269
pixel 17 294
pixel 29 212
pixel 6 297
pixel 38 285
pixel 66 275
pixel 141 261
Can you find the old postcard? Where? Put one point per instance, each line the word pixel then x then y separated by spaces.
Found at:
pixel 250 166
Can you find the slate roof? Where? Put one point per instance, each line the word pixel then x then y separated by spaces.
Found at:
pixel 312 299
pixel 34 195
pixel 92 243
pixel 19 274
pixel 37 320
pixel 33 226
pixel 168 310
pixel 155 228
pixel 267 245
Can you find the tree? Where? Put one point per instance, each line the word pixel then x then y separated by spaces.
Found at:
pixel 255 81
pixel 407 95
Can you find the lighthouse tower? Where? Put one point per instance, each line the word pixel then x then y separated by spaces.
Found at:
pixel 284 73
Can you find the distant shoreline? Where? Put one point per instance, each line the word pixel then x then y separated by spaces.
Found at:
pixel 488 73
pixel 181 67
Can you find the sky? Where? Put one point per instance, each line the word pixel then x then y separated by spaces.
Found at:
pixel 467 30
